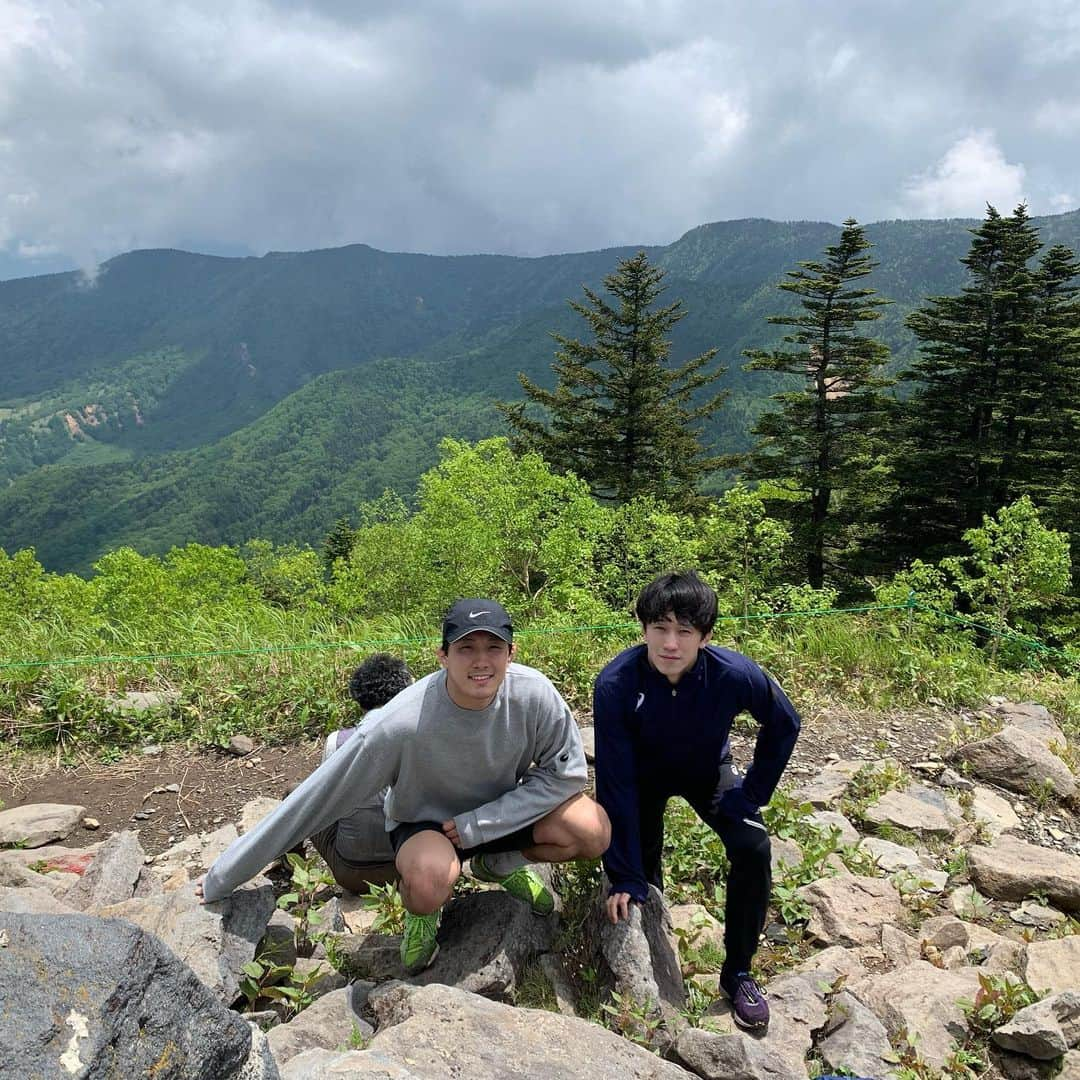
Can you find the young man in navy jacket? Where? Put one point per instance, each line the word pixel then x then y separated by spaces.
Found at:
pixel 663 712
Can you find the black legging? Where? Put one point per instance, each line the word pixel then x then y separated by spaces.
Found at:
pixel 746 842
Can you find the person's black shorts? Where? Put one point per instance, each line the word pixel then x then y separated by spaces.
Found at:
pixel 518 840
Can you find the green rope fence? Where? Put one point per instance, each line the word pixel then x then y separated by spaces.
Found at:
pixel 912 604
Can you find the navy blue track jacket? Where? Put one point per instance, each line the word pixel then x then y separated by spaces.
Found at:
pixel 670 739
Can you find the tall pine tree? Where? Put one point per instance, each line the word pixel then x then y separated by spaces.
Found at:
pixel 820 440
pixel 621 416
pixel 972 428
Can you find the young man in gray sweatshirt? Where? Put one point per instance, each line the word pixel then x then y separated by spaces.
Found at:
pixel 482 761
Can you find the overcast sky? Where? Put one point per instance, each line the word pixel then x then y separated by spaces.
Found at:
pixel 518 126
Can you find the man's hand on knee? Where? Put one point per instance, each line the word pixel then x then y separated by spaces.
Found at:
pixel 450 831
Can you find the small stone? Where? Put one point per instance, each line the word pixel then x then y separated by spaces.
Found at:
pixel 91 823
pixel 241 745
pixel 153 750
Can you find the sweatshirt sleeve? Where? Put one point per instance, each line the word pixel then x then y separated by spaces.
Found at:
pixel 353 775
pixel 780 725
pixel 558 772
pixel 617 792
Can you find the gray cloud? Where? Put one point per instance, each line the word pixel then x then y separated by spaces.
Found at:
pixel 476 125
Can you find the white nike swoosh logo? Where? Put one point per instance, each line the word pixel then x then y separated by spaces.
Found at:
pixel 474 614
pixel 640 702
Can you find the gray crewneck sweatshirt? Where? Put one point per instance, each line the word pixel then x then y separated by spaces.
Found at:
pixel 492 770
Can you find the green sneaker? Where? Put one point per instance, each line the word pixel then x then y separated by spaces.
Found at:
pixel 418 944
pixel 523 884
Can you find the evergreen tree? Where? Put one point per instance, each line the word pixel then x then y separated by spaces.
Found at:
pixel 821 440
pixel 620 416
pixel 338 543
pixel 989 369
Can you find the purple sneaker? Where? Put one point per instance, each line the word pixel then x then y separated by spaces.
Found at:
pixel 748 1004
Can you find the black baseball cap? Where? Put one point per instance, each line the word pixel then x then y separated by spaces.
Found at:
pixel 468 616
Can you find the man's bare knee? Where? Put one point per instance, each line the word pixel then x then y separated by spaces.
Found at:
pixel 426 890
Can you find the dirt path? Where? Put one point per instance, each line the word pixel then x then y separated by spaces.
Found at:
pixel 180 791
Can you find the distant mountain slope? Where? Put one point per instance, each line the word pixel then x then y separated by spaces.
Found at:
pixel 149 405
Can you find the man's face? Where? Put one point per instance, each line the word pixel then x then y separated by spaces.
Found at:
pixel 475 668
pixel 672 646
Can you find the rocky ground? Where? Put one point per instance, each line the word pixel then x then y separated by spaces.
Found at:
pixel 960 880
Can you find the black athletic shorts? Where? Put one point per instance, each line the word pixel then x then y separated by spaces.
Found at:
pixel 518 840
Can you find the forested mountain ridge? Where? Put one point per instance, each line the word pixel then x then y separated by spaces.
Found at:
pixel 163 385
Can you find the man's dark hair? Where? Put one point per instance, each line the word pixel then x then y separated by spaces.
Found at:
pixel 379 678
pixel 682 594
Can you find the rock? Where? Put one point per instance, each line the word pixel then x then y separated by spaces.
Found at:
pixel 112 876
pixel 195 854
pixel 37 824
pixel 641 954
pixel 215 940
pixel 260 1064
pixel 561 986
pixel 435 1032
pixel 1010 869
pixel 358 916
pixel 241 746
pixel 830 964
pixel 319 976
pixel 486 941
pixel 1044 1030
pixel 278 943
pixel 944 931
pixel 329 1023
pixel 855 1040
pixel 1070 1066
pixel 1018 760
pixel 1053 966
pixel 826 820
pixel 993 812
pixel 91 824
pixel 588 743
pixel 850 910
pixel 899 948
pixel 892 857
pixel 952 780
pixel 722 1050
pixel 699 925
pixel 917 808
pixel 966 902
pixel 32 900
pixel 1030 913
pixel 100 997
pixel 255 810
pixel 829 786
pixel 144 700
pixel 783 853
pixel 922 999
pixel 991 951
pixel 1032 718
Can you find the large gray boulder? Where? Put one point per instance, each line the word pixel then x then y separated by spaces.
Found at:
pixel 1010 869
pixel 1044 1030
pixel 31 900
pixel 922 999
pixel 112 876
pixel 37 824
pixel 642 956
pixel 1053 966
pixel 97 998
pixel 435 1032
pixel 486 941
pixel 917 808
pixel 215 940
pixel 854 1039
pixel 850 910
pixel 719 1050
pixel 328 1024
pixel 1018 760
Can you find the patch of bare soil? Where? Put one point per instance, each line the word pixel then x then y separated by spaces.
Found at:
pixel 165 796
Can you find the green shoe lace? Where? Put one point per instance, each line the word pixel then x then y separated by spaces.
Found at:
pixel 418 944
pixel 523 884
